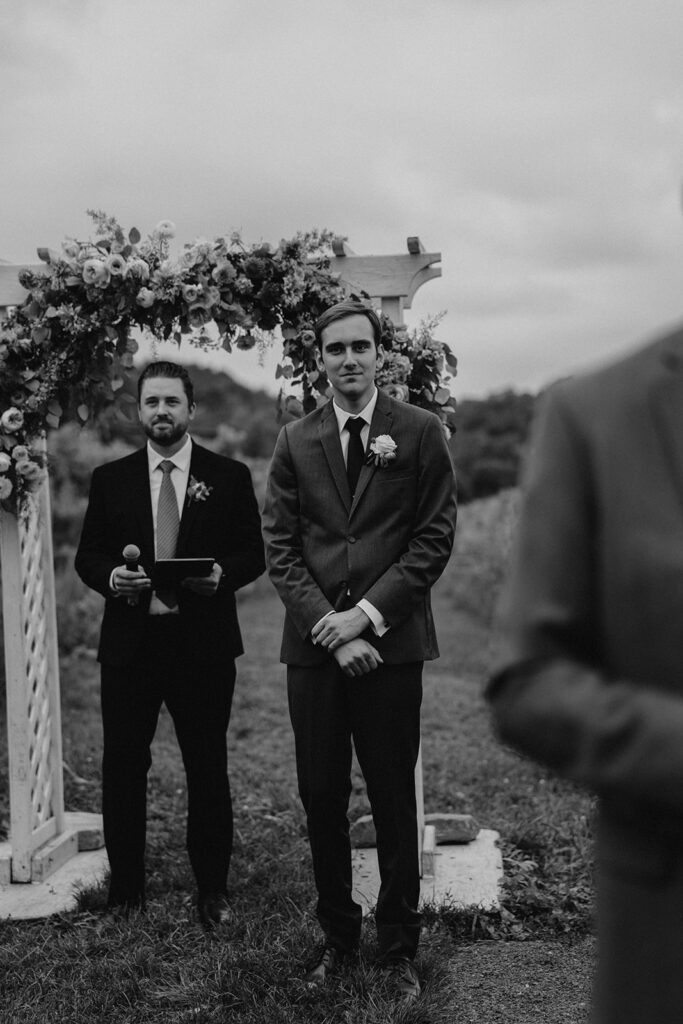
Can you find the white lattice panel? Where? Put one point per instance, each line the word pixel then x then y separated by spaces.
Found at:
pixel 34 723
pixel 38 709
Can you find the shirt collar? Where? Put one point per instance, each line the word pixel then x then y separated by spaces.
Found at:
pixel 366 413
pixel 181 459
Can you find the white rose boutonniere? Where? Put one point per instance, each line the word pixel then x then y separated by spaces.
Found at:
pixel 382 450
pixel 197 490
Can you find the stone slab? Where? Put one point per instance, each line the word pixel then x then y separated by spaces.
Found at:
pixel 23 902
pixel 465 875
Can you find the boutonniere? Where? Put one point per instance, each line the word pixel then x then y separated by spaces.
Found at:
pixel 382 450
pixel 197 490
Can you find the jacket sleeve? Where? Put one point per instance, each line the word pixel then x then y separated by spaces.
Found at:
pixel 299 592
pixel 405 582
pixel 550 698
pixel 95 559
pixel 242 560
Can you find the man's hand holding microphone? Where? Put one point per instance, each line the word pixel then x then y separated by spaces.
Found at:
pixel 130 579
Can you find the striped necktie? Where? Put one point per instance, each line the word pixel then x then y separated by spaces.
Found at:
pixel 168 524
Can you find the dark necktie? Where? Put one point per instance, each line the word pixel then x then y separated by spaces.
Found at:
pixel 168 524
pixel 356 453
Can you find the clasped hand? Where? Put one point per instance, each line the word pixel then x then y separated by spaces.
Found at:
pixel 132 583
pixel 340 633
pixel 340 627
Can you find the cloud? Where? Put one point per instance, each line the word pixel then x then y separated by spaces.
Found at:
pixel 537 146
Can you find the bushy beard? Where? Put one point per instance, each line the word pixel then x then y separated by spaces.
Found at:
pixel 165 438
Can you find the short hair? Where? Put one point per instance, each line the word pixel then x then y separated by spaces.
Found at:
pixel 165 368
pixel 342 310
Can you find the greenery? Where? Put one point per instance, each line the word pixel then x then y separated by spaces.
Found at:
pixel 490 436
pixel 160 967
pixel 67 350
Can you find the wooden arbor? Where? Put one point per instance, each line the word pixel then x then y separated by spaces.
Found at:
pixel 43 836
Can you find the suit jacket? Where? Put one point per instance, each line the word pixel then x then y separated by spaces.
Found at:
pixel 389 545
pixel 225 526
pixel 591 674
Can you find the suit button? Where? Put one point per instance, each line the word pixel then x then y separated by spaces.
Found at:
pixel 344 584
pixel 352 540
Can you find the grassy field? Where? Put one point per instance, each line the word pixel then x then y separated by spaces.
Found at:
pixel 529 961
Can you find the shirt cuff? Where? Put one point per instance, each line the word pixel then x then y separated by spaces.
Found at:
pixel 377 620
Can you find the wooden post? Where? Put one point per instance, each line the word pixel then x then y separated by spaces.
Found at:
pixel 42 835
pixel 393 280
pixel 32 681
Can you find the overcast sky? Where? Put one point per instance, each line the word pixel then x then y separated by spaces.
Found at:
pixel 537 144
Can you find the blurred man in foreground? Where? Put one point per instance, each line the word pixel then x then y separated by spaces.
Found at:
pixel 591 679
pixel 173 645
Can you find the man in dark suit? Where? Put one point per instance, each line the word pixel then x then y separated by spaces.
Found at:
pixel 172 498
pixel 591 674
pixel 354 543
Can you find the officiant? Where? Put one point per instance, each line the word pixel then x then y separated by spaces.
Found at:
pixel 171 640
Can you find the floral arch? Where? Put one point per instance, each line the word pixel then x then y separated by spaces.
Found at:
pixel 65 351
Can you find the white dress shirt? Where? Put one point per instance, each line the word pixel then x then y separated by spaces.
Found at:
pixel 377 620
pixel 180 478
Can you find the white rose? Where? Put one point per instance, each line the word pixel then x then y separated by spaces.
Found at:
pixel 95 272
pixel 5 487
pixel 5 462
pixel 165 229
pixel 20 452
pixel 29 470
pixel 138 268
pixel 116 265
pixel 145 298
pixel 384 446
pixel 12 420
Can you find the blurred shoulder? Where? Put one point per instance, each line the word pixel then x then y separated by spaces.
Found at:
pixel 619 385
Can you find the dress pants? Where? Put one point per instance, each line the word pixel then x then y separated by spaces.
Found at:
pixel 198 697
pixel 380 712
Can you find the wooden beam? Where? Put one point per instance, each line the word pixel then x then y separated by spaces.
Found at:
pixel 388 277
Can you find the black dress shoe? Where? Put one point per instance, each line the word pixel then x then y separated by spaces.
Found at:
pixel 213 909
pixel 329 962
pixel 402 977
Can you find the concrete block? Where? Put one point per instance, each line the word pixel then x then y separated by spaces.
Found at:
pixel 453 828
pixel 59 893
pixel 450 828
pixel 52 855
pixel 465 875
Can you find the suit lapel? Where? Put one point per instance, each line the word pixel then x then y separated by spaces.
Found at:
pixel 329 438
pixel 191 508
pixel 666 397
pixel 141 503
pixel 381 424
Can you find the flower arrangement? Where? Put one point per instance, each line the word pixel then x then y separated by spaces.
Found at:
pixel 66 350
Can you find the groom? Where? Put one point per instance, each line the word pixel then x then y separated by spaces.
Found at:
pixel 170 498
pixel 354 543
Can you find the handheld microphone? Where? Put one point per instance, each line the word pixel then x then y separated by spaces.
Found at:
pixel 131 554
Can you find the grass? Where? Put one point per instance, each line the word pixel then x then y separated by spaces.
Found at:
pixel 160 967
